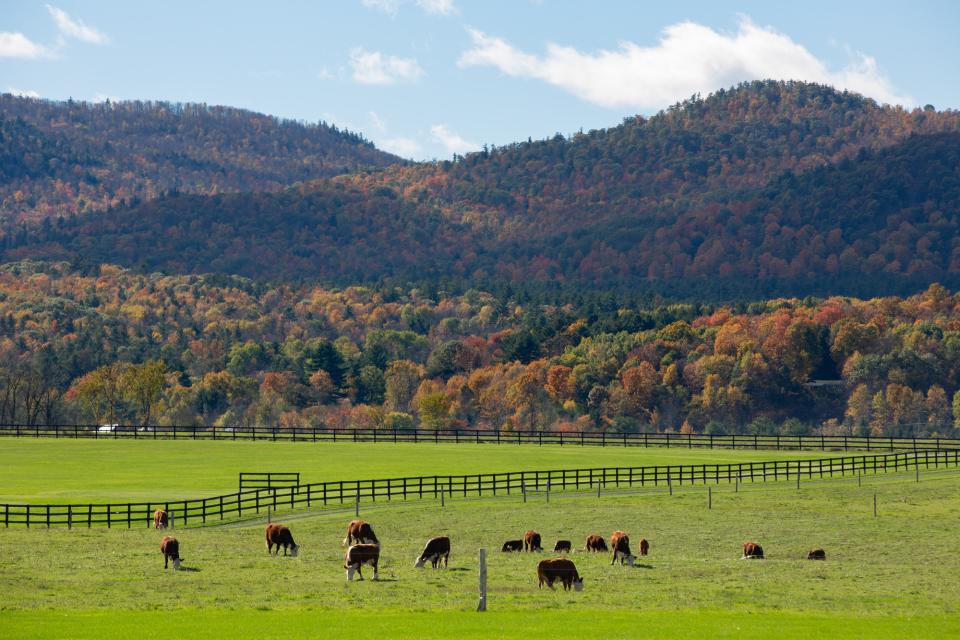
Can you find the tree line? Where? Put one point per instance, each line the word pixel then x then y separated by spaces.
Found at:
pixel 121 347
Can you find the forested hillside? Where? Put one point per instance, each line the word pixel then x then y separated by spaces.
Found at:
pixel 120 346
pixel 767 189
pixel 58 159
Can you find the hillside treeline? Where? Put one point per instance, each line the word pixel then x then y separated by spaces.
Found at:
pixel 119 346
pixel 59 159
pixel 768 189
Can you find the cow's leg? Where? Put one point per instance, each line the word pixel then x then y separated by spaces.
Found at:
pixel 166 558
pixel 375 575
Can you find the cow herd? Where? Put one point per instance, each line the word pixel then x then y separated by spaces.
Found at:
pixel 363 548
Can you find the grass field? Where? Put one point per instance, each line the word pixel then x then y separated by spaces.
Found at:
pixel 891 576
pixel 58 471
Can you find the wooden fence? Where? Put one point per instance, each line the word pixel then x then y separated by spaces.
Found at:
pixel 268 480
pixel 487 436
pixel 248 503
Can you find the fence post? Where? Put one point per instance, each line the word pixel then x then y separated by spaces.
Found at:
pixel 482 604
pixel 523 488
pixel 874 504
pixel 709 497
pixel 356 510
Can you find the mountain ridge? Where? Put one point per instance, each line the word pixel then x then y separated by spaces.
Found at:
pixel 703 195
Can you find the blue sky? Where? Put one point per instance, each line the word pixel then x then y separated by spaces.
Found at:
pixel 429 78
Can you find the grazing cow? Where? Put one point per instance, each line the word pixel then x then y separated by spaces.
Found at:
pixel 752 551
pixel 562 546
pixel 596 543
pixel 278 534
pixel 531 541
pixel 644 546
pixel 359 555
pixel 512 545
pixel 560 569
pixel 160 520
pixel 437 549
pixel 817 554
pixel 170 548
pixel 360 531
pixel 620 543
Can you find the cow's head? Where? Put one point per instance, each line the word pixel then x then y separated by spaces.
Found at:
pixel 420 562
pixel 351 569
pixel 630 559
pixel 294 550
pixel 176 563
pixel 578 584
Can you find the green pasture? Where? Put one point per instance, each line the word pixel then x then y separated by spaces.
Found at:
pixel 46 470
pixel 889 576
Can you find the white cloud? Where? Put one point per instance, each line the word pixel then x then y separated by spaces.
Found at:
pixel 17 45
pixel 378 123
pixel 75 28
pixel 403 147
pixel 451 141
pixel 391 7
pixel 372 67
pixel 23 93
pixel 689 58
pixel 438 7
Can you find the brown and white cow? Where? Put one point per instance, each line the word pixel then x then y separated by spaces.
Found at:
pixel 436 550
pixel 170 548
pixel 531 541
pixel 160 519
pixel 596 543
pixel 562 546
pixel 359 555
pixel 278 534
pixel 620 543
pixel 752 551
pixel 562 569
pixel 360 531
pixel 512 545
pixel 817 554
pixel 644 547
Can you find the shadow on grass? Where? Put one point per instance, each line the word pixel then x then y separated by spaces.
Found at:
pixel 188 570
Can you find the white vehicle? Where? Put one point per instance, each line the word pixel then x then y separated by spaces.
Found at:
pixel 107 428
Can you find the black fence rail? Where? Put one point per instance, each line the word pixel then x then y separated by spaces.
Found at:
pixel 484 436
pixel 249 503
pixel 268 480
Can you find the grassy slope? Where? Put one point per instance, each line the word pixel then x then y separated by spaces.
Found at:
pixel 322 623
pixel 876 574
pixel 59 471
